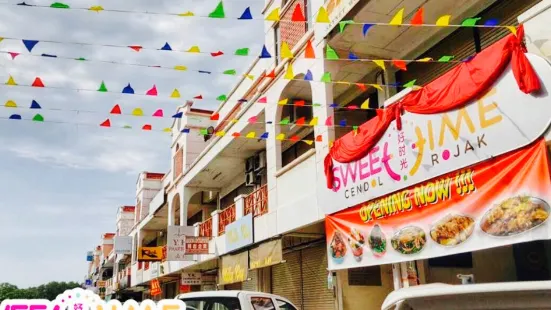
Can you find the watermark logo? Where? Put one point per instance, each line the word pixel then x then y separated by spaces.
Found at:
pixel 80 299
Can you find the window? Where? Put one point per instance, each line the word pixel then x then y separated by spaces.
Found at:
pixel 196 218
pixel 262 303
pixel 296 150
pixel 283 305
pixel 462 260
pixel 212 303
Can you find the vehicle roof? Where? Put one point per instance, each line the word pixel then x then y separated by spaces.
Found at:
pixel 439 289
pixel 226 294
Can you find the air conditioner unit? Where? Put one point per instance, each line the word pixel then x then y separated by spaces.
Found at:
pixel 252 179
pixel 260 161
pixel 249 164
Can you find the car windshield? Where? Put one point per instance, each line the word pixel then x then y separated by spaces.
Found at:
pixel 212 303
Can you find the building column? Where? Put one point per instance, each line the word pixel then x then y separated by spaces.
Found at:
pixel 239 206
pixel 215 223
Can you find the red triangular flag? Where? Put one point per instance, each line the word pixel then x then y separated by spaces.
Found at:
pixel 116 109
pixel 262 100
pixel 106 123
pixel 300 121
pixel 294 138
pixel 198 97
pixel 37 82
pixel 152 91
pixel 236 135
pixel 400 64
pixel 309 53
pixel 319 138
pixel 299 103
pixel 271 74
pixel 219 53
pixel 146 127
pixel 137 48
pixel 417 19
pixel 13 55
pixel 352 107
pixel 215 117
pixel 297 14
pixel 361 86
pixel 329 121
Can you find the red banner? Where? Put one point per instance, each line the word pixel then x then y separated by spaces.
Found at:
pixel 155 287
pixel 501 201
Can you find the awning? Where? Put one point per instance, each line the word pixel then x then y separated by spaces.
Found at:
pixel 234 268
pixel 266 254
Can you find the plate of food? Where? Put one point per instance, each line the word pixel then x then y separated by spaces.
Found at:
pixel 409 240
pixel 452 230
pixel 377 241
pixel 515 215
pixel 356 242
pixel 337 248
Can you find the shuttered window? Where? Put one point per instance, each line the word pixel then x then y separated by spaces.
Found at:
pixel 252 284
pixel 286 278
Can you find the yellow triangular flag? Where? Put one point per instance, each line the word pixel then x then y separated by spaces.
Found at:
pixel 376 86
pixel 314 121
pixel 273 16
pixel 443 20
pixel 283 101
pixel 289 75
pixel 96 8
pixel 286 51
pixel 175 93
pixel 250 77
pixel 323 17
pixel 137 112
pixel 380 63
pixel 513 29
pixel 365 105
pixel 194 49
pixel 220 133
pixel 309 142
pixel 398 18
pixel 167 129
pixel 11 81
pixel 426 59
pixel 280 137
pixel 1 39
pixel 251 135
pixel 180 68
pixel 186 14
pixel 234 121
pixel 10 104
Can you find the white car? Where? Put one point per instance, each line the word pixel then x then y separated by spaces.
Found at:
pixel 234 300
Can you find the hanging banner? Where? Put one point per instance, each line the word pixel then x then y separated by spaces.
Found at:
pixel 123 245
pixel 239 233
pixel 430 145
pixel 150 253
pixel 90 256
pixel 190 278
pixel 503 201
pixel 155 287
pixel 176 243
pixel 266 254
pixel 234 268
pixel 154 270
pixel 197 245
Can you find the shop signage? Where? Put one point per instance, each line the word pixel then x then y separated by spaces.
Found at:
pixel 197 245
pixel 430 145
pixel 123 245
pixel 154 269
pixel 90 256
pixel 190 278
pixel 155 287
pixel 101 284
pixel 234 268
pixel 150 253
pixel 266 254
pixel 239 233
pixel 499 202
pixel 185 288
pixel 176 243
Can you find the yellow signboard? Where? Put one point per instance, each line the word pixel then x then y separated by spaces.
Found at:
pixel 234 269
pixel 266 254
pixel 150 253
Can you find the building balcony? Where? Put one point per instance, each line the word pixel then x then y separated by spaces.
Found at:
pixel 225 217
pixel 205 228
pixel 257 202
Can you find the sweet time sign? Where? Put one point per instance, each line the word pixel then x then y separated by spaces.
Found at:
pixel 430 145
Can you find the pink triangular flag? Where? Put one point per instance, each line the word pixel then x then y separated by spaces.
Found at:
pixel 253 119
pixel 329 121
pixel 13 55
pixel 263 100
pixel 152 91
pixel 158 113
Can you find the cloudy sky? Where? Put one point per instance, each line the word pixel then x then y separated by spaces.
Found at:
pixel 61 181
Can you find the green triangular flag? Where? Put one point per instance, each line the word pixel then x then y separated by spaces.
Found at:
pixel 316 105
pixel 242 51
pixel 203 131
pixel 230 72
pixel 344 23
pixel 445 58
pixel 326 78
pixel 285 121
pixel 102 87
pixel 470 22
pixel 59 5
pixel 80 58
pixel 222 98
pixel 410 84
pixel 127 127
pixel 330 53
pixel 38 118
pixel 218 12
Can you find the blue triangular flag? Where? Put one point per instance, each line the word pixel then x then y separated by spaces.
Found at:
pixel 24 4
pixel 128 89
pixel 308 76
pixel 468 58
pixel 29 44
pixel 352 56
pixel 365 28
pixel 207 72
pixel 35 105
pixel 178 115
pixel 185 130
pixel 491 22
pixel 166 47
pixel 342 123
pixel 246 14
pixel 49 55
pixel 264 135
pixel 242 100
pixel 265 53
pixel 333 105
pixel 15 116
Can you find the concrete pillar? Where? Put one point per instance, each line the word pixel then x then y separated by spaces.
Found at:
pixel 215 223
pixel 239 206
pixel 196 229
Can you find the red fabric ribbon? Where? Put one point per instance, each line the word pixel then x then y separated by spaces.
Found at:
pixel 450 91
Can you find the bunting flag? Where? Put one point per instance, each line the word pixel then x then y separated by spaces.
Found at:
pixel 116 110
pixel 11 81
pixel 309 52
pixel 289 74
pixel 286 51
pixel 37 82
pixel 417 19
pixel 246 15
pixel 273 16
pixel 298 16
pixel 330 53
pixel 218 11
pixel 30 44
pixel 398 18
pixel 322 17
pixel 443 21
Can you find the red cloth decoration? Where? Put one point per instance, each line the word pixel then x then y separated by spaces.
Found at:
pixel 450 91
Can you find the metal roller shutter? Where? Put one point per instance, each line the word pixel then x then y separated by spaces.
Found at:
pixel 314 280
pixel 286 278
pixel 233 286
pixel 252 284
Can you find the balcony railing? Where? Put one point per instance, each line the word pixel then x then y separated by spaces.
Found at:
pixel 225 217
pixel 257 202
pixel 205 228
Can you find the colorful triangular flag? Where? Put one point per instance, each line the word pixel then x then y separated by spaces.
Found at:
pixel 322 17
pixel 400 64
pixel 344 23
pixel 128 89
pixel 186 14
pixel 96 8
pixel 11 81
pixel 35 105
pixel 30 44
pixel 158 113
pixel 289 75
pixel 286 51
pixel 175 93
pixel 330 53
pixel 242 51
pixel 136 48
pixel 366 28
pixel 263 100
pixel 470 22
pixel 246 14
pixel 38 118
pixel 446 58
pixel 283 101
pixel 298 16
pixel 365 105
pixel 178 115
pixel 10 104
pixel 37 82
pixel 106 123
pixel 230 72
pixel 309 52
pixel 352 56
pixel 59 5
pixel 308 76
pixel 280 137
pixel 116 109
pixel 215 117
pixel 152 91
pixel 285 121
pixel 443 21
pixel 102 87
pixel 273 16
pixel 380 63
pixel 194 49
pixel 251 135
pixel 265 53
pixel 314 121
pixel 218 11
pixel 147 127
pixel 417 19
pixel 398 18
pixel 166 47
pixel 222 98
pixel 13 55
pixel 180 68
pixel 326 77
pixel 137 112
pixel 15 116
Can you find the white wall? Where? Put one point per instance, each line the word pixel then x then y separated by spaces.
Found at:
pixel 536 28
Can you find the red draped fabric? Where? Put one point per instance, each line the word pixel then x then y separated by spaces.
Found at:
pixel 454 89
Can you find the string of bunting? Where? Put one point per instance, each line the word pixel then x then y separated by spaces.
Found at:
pixel 322 17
